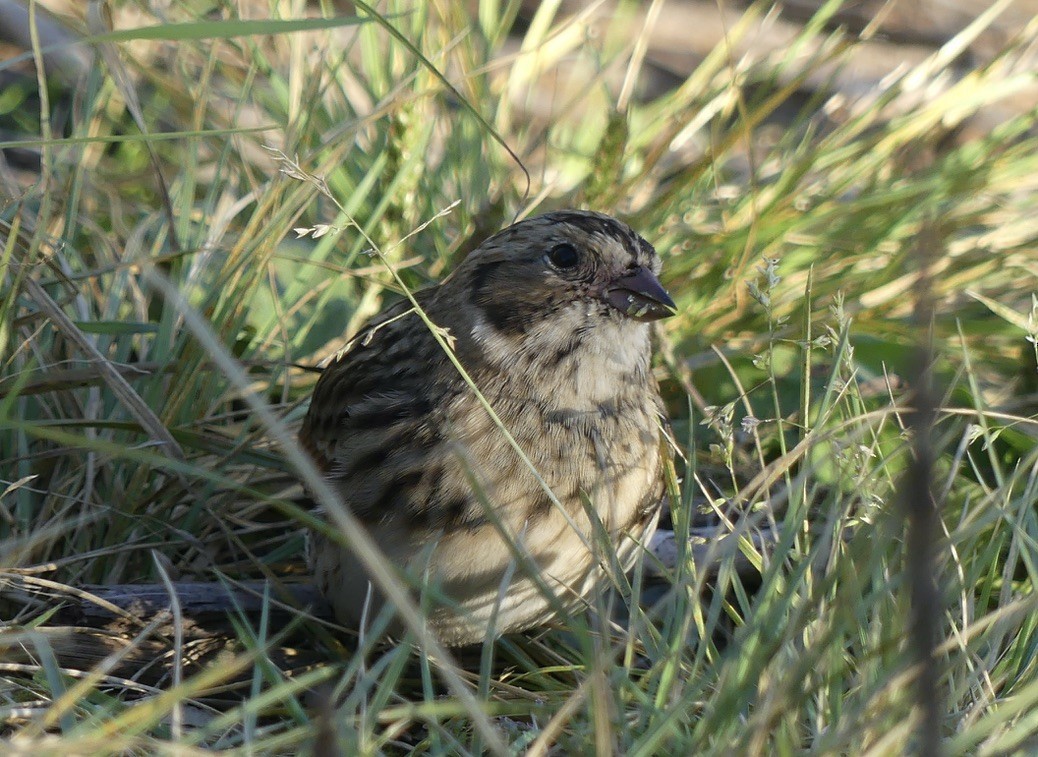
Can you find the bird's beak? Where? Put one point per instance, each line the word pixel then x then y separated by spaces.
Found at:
pixel 639 295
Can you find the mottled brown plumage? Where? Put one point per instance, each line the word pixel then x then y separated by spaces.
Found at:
pixel 549 318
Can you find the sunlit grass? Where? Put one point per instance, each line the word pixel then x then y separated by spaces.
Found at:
pixel 137 354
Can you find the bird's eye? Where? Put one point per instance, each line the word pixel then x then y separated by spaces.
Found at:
pixel 564 255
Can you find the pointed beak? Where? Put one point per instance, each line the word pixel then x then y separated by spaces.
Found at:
pixel 639 295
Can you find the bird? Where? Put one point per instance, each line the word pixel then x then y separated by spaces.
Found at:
pixel 551 320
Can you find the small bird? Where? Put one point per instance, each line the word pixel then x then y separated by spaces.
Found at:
pixel 550 319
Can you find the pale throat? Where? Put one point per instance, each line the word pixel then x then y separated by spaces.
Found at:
pixel 590 359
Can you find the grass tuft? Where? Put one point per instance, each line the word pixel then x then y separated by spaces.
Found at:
pixel 228 195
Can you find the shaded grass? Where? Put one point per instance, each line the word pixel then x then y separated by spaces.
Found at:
pixel 788 397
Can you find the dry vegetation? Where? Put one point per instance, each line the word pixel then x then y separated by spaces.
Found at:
pixel 159 311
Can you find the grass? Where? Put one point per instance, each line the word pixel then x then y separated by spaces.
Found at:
pixel 156 299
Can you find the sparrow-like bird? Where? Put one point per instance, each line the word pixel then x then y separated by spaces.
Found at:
pixel 550 318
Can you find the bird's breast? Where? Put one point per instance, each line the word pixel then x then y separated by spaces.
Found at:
pixel 605 454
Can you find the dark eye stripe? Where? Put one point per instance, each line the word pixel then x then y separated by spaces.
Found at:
pixel 639 249
pixel 508 316
pixel 481 279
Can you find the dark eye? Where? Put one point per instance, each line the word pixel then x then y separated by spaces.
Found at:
pixel 564 255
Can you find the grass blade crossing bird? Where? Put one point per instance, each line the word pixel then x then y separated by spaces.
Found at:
pixel 550 318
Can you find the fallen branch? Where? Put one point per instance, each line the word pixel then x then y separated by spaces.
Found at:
pixel 134 625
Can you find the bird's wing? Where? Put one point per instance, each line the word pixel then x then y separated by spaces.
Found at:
pixel 374 413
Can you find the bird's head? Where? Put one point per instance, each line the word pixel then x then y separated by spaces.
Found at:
pixel 561 283
pixel 578 262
